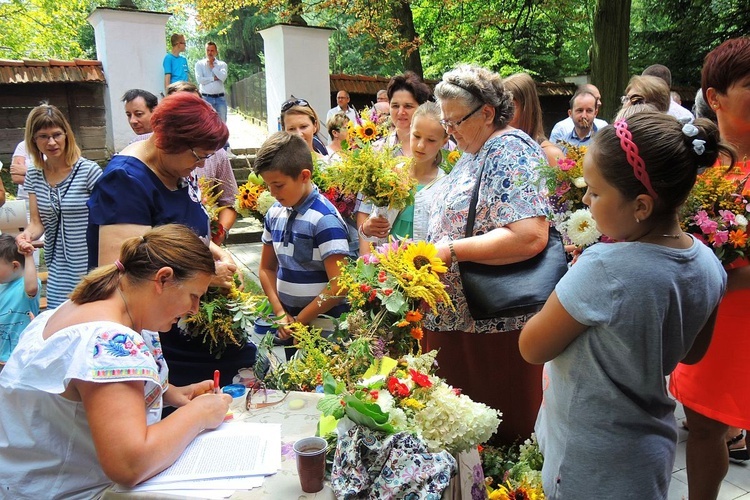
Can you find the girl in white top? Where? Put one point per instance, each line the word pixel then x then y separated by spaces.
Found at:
pixel 83 391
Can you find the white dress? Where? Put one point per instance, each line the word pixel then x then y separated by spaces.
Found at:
pixel 46 449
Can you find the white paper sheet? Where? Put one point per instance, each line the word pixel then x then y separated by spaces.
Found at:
pixel 223 483
pixel 234 449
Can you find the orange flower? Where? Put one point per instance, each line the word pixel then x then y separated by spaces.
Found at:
pixel 738 238
pixel 413 316
pixel 417 333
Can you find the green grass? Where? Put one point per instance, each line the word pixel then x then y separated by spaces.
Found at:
pixel 10 188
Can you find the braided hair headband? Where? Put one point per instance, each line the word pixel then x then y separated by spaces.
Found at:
pixel 631 153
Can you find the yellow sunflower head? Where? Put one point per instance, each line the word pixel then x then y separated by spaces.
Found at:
pixel 422 254
pixel 368 131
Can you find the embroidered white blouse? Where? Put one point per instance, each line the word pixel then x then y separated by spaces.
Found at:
pixel 46 449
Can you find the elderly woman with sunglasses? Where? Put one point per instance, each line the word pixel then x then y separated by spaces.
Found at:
pixel 482 357
pixel 150 184
pixel 58 189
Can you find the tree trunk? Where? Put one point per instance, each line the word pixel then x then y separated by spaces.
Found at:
pixel 405 27
pixel 609 54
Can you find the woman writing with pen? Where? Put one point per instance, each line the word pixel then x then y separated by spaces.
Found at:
pixel 84 389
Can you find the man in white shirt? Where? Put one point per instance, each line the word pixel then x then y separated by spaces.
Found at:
pixel 210 74
pixel 565 128
pixel 582 114
pixel 139 104
pixel 342 98
pixel 675 109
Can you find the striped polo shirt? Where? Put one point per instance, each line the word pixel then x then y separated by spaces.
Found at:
pixel 302 238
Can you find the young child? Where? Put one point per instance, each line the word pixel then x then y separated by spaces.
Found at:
pixel 625 314
pixel 304 237
pixel 427 139
pixel 19 294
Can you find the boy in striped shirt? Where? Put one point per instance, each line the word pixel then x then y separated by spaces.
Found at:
pixel 304 238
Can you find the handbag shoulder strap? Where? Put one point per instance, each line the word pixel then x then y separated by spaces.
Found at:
pixel 475 195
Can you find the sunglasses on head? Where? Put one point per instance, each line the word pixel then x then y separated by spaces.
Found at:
pixel 294 102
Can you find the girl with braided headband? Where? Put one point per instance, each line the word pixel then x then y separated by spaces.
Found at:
pixel 625 314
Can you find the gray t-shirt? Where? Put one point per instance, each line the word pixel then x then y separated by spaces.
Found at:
pixel 606 425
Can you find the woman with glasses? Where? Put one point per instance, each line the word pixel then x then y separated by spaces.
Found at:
pixel 481 356
pixel 150 184
pixel 59 187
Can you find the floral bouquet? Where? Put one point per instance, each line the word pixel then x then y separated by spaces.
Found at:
pixel 210 194
pixel 344 202
pixel 253 199
pixel 405 395
pixel 386 290
pixel 369 126
pixel 513 472
pixel 226 318
pixel 383 180
pixel 566 187
pixel 716 212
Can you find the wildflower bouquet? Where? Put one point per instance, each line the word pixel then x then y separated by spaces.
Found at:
pixel 716 212
pixel 386 290
pixel 405 395
pixel 383 180
pixel 226 318
pixel 368 126
pixel 344 202
pixel 253 199
pixel 566 187
pixel 513 472
pixel 210 194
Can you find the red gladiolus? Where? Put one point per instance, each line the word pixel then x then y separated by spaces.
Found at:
pixel 420 379
pixel 397 388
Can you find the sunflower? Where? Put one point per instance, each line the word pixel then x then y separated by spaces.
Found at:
pixel 422 254
pixel 368 131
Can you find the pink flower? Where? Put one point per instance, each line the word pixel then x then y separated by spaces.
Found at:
pixel 370 259
pixel 720 238
pixel 562 188
pixel 566 164
pixel 701 217
pixel 727 216
pixel 709 226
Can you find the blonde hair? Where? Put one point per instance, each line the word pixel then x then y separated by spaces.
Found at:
pixel 302 110
pixel 172 245
pixel 48 116
pixel 651 90
pixel 336 123
pixel 529 109
pixel 428 110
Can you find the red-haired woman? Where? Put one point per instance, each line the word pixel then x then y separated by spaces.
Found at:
pixel 150 184
pixel 715 391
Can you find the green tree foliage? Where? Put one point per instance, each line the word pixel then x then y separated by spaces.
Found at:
pixel 42 29
pixel 547 38
pixel 679 33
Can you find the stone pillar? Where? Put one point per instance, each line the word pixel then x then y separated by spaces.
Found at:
pixel 297 63
pixel 131 45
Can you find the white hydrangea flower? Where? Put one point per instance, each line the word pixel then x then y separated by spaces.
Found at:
pixel 265 201
pixel 740 220
pixel 579 182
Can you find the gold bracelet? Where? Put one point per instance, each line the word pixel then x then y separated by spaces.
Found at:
pixel 454 257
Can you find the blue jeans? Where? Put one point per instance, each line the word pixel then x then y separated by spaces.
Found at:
pixel 219 104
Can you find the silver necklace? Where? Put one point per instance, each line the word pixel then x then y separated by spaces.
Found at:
pixel 127 309
pixel 673 236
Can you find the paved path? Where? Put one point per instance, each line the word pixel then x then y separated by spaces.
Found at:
pixel 244 134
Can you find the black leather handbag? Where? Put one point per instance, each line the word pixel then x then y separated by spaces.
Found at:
pixel 511 289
